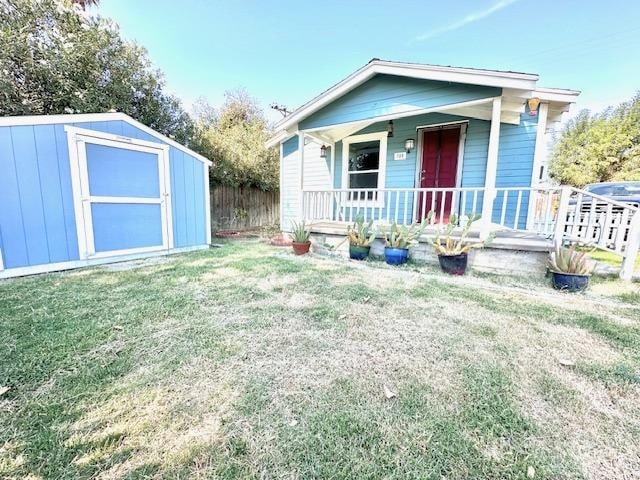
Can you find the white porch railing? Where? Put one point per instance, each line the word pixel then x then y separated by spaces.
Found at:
pixel 564 214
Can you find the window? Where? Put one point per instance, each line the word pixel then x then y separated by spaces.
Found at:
pixel 363 164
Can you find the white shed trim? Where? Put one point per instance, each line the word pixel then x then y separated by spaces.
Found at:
pixel 96 117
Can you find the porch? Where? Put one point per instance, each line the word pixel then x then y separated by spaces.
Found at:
pixel 526 220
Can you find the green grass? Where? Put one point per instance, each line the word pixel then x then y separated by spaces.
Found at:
pixel 609 258
pixel 247 362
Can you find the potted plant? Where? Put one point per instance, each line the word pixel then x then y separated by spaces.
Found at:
pixel 570 269
pixel 453 252
pixel 300 234
pixel 398 239
pixel 360 237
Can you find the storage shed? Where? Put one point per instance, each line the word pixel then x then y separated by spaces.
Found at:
pixel 78 190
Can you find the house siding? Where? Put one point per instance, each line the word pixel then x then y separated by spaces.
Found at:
pixel 515 160
pixel 290 190
pixel 37 219
pixel 388 94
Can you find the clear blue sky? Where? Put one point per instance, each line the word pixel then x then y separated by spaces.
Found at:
pixel 289 51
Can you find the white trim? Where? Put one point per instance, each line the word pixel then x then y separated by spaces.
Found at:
pixel 462 125
pixel 494 78
pixel 1 261
pixel 301 145
pixel 207 203
pixel 382 163
pixel 102 199
pixel 168 207
pixel 333 165
pixel 462 140
pixel 280 137
pixel 556 95
pixel 539 154
pixel 129 251
pixel 77 139
pixel 281 187
pixel 54 267
pixel 96 117
pixel 491 168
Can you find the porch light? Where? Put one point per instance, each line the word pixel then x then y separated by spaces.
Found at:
pixel 409 143
pixel 323 151
pixel 533 103
pixel 390 129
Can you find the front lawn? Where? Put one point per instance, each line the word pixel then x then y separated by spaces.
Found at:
pixel 247 362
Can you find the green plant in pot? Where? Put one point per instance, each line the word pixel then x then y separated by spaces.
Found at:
pixel 453 247
pixel 300 234
pixel 398 239
pixel 570 269
pixel 360 236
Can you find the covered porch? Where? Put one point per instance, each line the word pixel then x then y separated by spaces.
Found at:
pixel 410 143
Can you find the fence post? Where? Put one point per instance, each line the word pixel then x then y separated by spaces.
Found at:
pixel 631 249
pixel 561 217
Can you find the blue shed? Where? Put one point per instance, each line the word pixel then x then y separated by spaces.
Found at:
pixel 78 190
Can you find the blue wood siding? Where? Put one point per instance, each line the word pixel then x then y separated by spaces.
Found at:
pixel 388 94
pixel 515 160
pixel 37 219
pixel 289 195
pixel 515 167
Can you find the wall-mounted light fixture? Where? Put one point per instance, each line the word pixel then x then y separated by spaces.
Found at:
pixel 390 129
pixel 533 103
pixel 323 151
pixel 409 144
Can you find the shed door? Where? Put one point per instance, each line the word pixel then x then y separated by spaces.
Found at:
pixel 125 199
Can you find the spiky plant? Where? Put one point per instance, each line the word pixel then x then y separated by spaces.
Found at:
pixel 444 243
pixel 360 234
pixel 569 260
pixel 300 233
pixel 401 236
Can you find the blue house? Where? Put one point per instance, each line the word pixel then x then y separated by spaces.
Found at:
pixel 77 190
pixel 394 141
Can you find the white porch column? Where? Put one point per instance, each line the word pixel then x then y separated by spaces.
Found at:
pixel 492 168
pixel 631 250
pixel 301 176
pixel 539 156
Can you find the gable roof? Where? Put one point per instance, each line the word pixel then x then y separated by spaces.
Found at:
pixel 97 117
pixel 508 80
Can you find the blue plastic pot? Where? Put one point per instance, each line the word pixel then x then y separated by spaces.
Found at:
pixel 357 252
pixel 396 256
pixel 569 282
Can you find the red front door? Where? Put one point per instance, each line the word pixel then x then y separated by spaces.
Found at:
pixel 438 170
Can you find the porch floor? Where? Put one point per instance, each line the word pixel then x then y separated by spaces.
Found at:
pixel 504 239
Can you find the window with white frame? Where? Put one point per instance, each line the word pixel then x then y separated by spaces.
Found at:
pixel 364 161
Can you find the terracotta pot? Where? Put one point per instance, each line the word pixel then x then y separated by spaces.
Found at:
pixel 301 248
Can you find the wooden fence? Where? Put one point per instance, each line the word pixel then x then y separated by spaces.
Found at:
pixel 243 207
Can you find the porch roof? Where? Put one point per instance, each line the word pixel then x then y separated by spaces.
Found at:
pixel 516 89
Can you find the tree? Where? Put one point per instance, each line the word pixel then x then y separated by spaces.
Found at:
pixel 600 147
pixel 86 3
pixel 233 138
pixel 55 58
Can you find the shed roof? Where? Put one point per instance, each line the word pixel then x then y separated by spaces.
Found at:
pixel 97 117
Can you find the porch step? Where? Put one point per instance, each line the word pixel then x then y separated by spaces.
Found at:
pixel 504 240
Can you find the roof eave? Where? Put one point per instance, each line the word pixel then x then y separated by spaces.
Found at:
pixel 520 81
